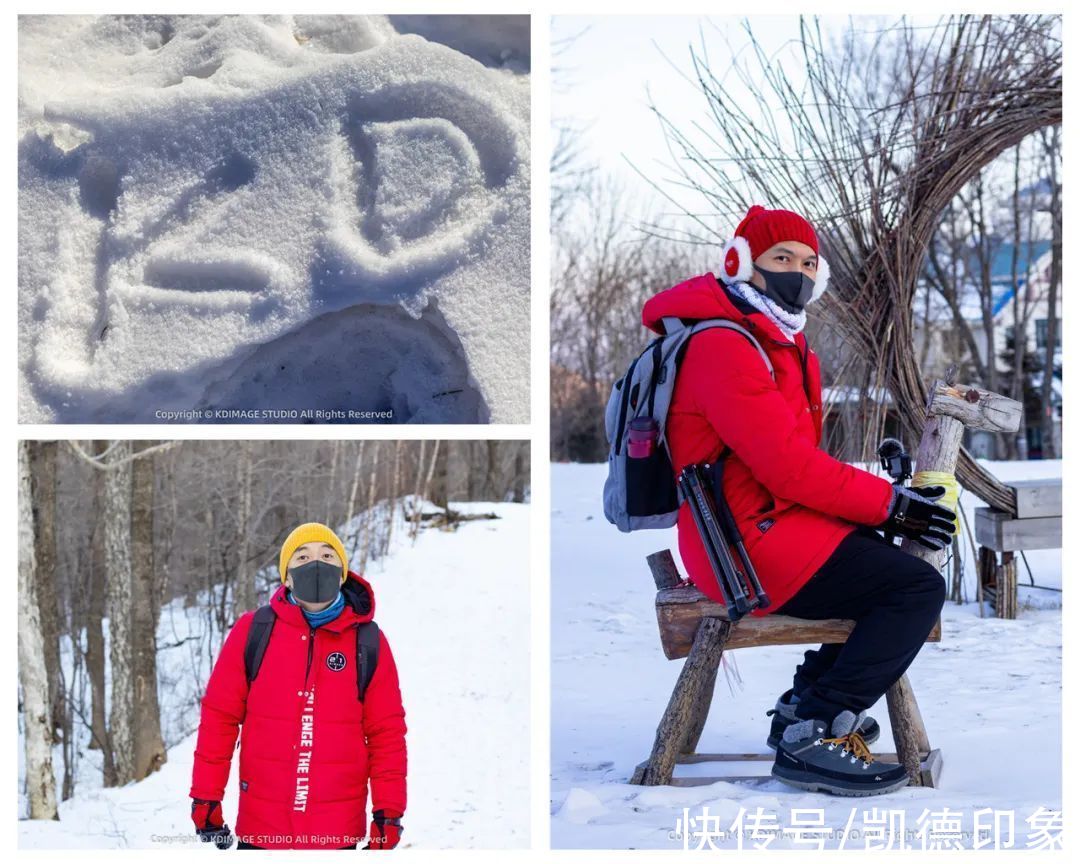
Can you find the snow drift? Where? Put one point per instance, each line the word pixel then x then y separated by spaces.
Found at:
pixel 194 191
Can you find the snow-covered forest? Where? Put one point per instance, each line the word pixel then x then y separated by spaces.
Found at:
pixel 137 557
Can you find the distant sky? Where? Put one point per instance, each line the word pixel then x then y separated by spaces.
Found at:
pixel 609 65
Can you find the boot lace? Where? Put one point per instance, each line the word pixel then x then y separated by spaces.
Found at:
pixel 852 743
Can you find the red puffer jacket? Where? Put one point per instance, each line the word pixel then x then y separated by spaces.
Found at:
pixel 792 501
pixel 308 746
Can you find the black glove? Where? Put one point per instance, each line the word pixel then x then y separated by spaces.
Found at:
pixel 209 824
pixel 914 514
pixel 385 831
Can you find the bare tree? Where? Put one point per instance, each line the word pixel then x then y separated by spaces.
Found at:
pixel 148 748
pixel 521 473
pixel 95 639
pixel 1051 141
pixel 118 580
pixel 244 580
pixel 43 500
pixel 882 136
pixel 37 726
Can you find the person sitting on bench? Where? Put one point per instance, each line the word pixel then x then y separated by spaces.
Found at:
pixel 808 520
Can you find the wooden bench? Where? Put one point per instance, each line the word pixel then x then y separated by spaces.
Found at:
pixel 1036 525
pixel 697 628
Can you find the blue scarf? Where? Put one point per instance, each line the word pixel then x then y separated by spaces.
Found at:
pixel 328 614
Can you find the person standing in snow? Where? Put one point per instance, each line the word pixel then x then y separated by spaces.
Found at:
pixel 807 519
pixel 312 735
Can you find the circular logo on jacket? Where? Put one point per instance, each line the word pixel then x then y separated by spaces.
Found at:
pixel 336 661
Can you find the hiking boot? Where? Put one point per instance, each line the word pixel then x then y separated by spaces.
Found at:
pixel 838 761
pixel 784 715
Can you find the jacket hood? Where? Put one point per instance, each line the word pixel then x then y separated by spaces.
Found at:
pixel 704 297
pixel 359 605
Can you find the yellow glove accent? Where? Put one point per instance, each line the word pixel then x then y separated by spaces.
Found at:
pixel 950 499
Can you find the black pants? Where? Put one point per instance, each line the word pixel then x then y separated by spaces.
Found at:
pixel 894 599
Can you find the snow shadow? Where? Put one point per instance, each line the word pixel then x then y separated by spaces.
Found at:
pixel 368 358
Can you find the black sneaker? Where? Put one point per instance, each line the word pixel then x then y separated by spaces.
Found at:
pixel 837 762
pixel 783 715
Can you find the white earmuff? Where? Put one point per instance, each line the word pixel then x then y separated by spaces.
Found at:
pixel 737 264
pixel 821 280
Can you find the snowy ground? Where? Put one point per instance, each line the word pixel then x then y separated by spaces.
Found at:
pixel 990 694
pixel 465 689
pixel 284 212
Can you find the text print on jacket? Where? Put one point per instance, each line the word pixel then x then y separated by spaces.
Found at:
pixel 308 746
pixel 792 501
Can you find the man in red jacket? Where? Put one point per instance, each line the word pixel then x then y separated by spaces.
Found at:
pixel 807 519
pixel 310 741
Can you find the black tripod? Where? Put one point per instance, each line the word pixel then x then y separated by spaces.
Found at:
pixel 717 529
pixel 897 464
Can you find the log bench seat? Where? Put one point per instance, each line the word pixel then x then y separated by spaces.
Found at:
pixel 697 628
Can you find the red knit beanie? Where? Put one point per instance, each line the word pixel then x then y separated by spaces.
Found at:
pixel 765 228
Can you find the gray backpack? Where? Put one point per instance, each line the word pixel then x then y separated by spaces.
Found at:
pixel 640 490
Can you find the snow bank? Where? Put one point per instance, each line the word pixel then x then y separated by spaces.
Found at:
pixel 201 197
pixel 465 688
pixel 990 694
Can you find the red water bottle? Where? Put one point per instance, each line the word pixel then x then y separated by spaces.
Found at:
pixel 641 440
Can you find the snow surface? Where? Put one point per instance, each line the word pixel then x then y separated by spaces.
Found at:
pixel 200 197
pixel 465 689
pixel 989 692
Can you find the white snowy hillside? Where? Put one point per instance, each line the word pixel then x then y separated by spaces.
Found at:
pixel 273 212
pixel 454 606
pixel 989 692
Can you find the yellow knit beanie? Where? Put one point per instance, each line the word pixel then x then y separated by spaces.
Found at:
pixel 311 532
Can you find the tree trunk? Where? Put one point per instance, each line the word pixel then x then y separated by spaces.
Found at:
pixel 521 472
pixel 354 530
pixel 118 578
pixel 492 470
pixel 1049 443
pixel 1018 445
pixel 149 748
pixel 368 516
pixel 474 475
pixel 95 636
pixel 37 737
pixel 43 501
pixel 439 485
pixel 244 581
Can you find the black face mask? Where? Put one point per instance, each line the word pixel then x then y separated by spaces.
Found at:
pixel 788 289
pixel 316 582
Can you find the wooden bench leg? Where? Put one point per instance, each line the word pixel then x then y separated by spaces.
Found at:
pixel 987 575
pixel 909 733
pixel 1006 586
pixel 688 705
pixel 700 713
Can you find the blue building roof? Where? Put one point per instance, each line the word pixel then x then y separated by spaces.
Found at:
pixel 1001 268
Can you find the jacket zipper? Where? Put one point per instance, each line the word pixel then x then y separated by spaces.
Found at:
pixel 310 654
pixel 803 357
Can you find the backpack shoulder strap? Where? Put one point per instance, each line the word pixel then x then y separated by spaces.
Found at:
pixel 367 655
pixel 257 639
pixel 711 323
